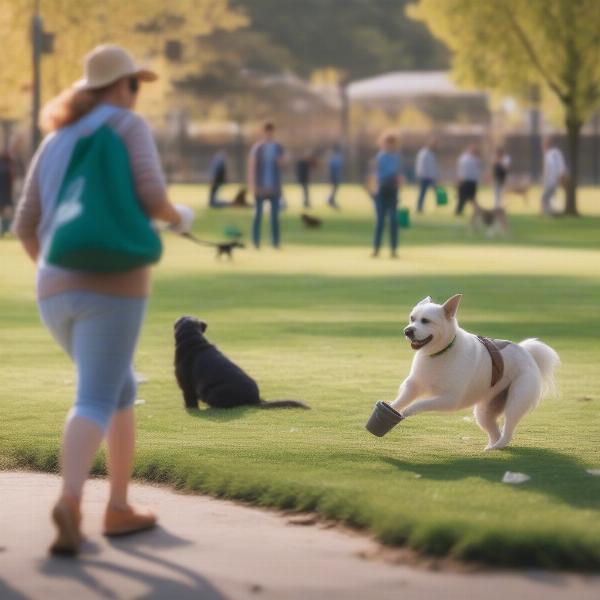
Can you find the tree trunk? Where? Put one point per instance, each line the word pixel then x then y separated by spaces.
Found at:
pixel 573 125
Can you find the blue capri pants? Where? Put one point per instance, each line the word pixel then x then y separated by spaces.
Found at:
pixel 99 332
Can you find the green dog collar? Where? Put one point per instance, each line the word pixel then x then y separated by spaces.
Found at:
pixel 444 349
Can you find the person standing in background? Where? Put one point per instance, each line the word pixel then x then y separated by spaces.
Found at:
pixel 500 169
pixel 267 157
pixel 469 173
pixel 6 192
pixel 388 174
pixel 336 164
pixel 426 170
pixel 555 172
pixel 218 176
pixel 303 168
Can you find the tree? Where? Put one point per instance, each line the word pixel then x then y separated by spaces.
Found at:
pixel 510 45
pixel 144 26
pixel 359 37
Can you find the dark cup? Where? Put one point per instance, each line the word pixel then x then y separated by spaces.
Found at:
pixel 382 419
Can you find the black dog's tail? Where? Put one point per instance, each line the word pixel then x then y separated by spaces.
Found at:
pixel 282 404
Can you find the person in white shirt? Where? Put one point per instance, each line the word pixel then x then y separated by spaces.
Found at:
pixel 426 170
pixel 469 172
pixel 555 170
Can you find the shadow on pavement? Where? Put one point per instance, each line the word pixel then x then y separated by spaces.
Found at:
pixel 9 593
pixel 145 567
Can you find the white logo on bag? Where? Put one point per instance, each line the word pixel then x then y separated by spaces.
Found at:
pixel 70 208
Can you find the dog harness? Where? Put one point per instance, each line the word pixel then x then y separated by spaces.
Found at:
pixel 493 347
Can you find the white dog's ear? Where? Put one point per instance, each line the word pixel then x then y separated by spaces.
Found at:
pixel 424 301
pixel 451 306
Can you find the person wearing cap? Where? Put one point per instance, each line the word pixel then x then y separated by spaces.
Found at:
pixel 95 318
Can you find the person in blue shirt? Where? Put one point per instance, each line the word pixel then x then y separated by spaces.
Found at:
pixel 267 157
pixel 336 164
pixel 218 175
pixel 388 174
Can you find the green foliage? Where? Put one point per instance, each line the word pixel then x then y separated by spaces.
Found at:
pixel 357 37
pixel 143 26
pixel 321 321
pixel 509 45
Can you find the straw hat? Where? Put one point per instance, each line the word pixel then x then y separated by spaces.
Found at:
pixel 108 63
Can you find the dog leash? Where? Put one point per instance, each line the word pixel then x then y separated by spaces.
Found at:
pixel 193 238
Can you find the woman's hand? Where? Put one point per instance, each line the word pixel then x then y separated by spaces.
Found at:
pixel 186 218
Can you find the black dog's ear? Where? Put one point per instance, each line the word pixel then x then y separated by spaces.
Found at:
pixel 203 325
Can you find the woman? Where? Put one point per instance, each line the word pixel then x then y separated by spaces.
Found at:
pixel 388 169
pixel 96 318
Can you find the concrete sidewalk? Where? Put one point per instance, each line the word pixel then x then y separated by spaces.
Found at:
pixel 210 549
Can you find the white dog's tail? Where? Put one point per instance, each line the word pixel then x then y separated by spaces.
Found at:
pixel 547 361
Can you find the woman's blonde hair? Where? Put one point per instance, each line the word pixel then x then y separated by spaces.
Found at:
pixel 69 106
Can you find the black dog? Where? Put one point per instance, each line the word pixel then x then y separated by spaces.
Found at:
pixel 240 199
pixel 226 248
pixel 204 373
pixel 311 222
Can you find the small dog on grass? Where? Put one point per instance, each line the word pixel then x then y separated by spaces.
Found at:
pixel 311 222
pixel 226 248
pixel 205 374
pixel 454 369
pixel 240 199
pixel 491 221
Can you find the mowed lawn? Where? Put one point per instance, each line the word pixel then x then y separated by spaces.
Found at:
pixel 321 321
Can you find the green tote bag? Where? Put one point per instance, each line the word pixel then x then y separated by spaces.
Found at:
pixel 99 225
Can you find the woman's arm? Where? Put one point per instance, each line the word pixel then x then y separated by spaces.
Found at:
pixel 29 210
pixel 146 169
pixel 32 247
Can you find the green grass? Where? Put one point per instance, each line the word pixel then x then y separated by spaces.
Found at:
pixel 323 322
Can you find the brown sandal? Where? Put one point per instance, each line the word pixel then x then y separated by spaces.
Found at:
pixel 126 521
pixel 67 519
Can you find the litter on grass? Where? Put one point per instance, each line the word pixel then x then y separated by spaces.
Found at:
pixel 141 378
pixel 513 477
pixel 139 401
pixel 595 472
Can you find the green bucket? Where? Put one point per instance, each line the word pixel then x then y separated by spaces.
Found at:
pixel 232 232
pixel 441 197
pixel 403 218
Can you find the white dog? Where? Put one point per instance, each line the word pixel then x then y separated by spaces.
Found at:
pixel 453 369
